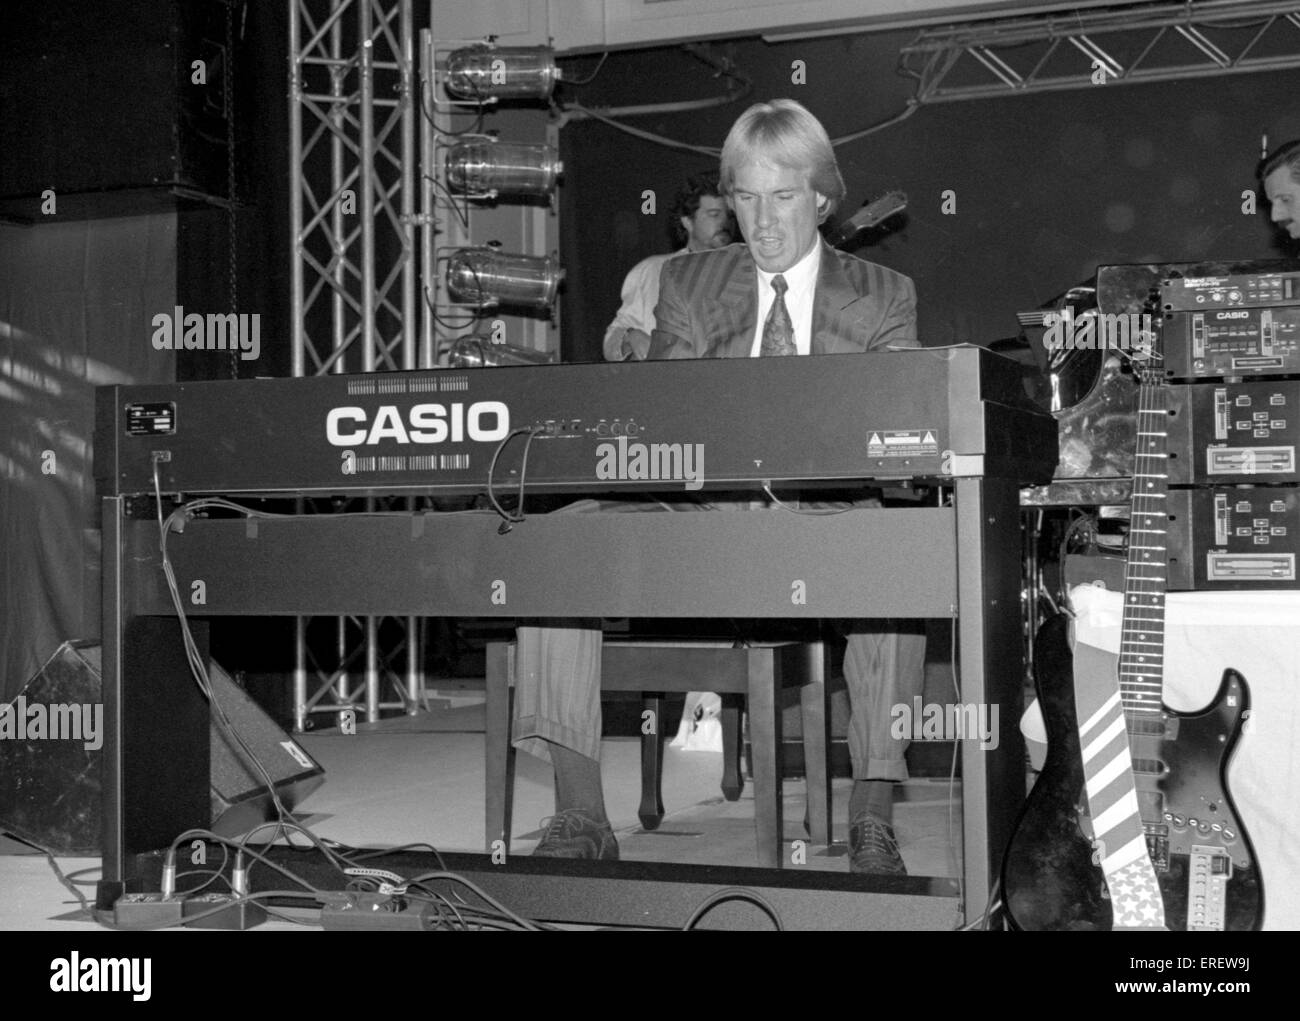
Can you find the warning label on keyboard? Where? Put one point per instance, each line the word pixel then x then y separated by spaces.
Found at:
pixel 902 443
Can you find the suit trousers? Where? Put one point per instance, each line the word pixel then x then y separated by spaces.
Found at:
pixel 557 671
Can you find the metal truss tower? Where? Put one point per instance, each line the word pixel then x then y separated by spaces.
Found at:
pixel 353 95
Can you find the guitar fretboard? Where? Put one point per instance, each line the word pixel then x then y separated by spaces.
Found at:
pixel 1142 635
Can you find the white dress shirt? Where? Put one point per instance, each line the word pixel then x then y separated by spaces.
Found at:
pixel 801 284
pixel 640 295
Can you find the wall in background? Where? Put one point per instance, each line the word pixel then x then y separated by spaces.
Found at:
pixel 75 304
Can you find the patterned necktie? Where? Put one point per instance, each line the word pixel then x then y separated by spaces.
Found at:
pixel 778 331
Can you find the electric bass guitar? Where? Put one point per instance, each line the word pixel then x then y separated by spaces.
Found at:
pixel 1071 863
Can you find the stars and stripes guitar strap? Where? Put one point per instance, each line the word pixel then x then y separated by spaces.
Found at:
pixel 1119 843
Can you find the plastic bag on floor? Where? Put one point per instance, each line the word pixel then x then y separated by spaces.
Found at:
pixel 701 726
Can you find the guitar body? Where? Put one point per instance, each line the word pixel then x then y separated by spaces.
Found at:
pixel 1049 877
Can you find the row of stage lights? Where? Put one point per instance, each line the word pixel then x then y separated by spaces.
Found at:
pixel 480 167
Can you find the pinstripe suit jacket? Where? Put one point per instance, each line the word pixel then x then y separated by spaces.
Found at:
pixel 708 306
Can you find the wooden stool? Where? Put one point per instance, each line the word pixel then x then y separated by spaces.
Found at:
pixel 653 667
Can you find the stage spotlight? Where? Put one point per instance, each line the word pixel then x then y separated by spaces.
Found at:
pixel 484 167
pixel 479 352
pixel 486 277
pixel 502 72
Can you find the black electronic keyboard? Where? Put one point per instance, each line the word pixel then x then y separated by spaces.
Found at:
pixel 714 423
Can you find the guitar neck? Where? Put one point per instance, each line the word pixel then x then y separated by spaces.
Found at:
pixel 868 216
pixel 1142 635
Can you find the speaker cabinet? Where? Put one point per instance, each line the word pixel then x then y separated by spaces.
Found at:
pixel 240 799
pixel 117 108
pixel 52 756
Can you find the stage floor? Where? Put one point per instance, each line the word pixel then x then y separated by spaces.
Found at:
pixel 420 779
